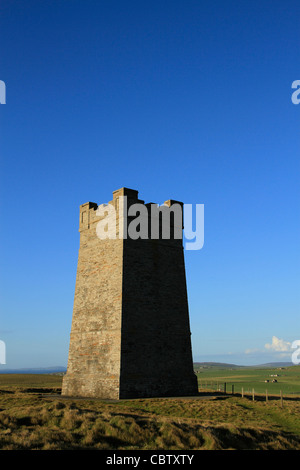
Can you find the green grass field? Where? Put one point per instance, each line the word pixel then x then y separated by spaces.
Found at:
pixel 33 415
pixel 288 379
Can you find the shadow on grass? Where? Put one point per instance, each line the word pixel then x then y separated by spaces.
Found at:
pixel 41 390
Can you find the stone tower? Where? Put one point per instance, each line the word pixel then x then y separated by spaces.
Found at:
pixel 130 334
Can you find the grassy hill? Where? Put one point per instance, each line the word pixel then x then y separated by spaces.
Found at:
pixel 33 415
pixel 224 365
pixel 286 379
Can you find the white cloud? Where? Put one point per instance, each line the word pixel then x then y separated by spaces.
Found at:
pixel 278 345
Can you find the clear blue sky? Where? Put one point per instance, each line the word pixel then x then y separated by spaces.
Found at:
pixel 189 100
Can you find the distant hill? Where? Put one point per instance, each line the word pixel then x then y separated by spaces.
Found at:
pixel 197 365
pixel 41 370
pixel 275 364
pixel 216 365
pixel 223 365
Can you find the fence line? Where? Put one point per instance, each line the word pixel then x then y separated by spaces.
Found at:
pixel 223 387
